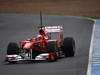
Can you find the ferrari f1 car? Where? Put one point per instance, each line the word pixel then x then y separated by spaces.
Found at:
pixel 48 45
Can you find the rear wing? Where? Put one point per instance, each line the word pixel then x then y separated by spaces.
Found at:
pixel 51 29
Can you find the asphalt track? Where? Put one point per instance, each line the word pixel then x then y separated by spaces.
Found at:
pixel 16 27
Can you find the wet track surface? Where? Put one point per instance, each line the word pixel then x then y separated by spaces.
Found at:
pixel 16 27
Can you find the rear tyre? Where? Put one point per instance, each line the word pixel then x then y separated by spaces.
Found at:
pixel 12 48
pixel 69 47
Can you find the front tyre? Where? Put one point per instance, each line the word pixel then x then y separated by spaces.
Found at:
pixel 12 48
pixel 69 47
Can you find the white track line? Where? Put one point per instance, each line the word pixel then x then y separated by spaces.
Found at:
pixel 89 69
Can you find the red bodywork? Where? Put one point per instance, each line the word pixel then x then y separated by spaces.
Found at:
pixel 44 47
pixel 36 44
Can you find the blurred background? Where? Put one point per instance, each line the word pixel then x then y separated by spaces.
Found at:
pixel 87 8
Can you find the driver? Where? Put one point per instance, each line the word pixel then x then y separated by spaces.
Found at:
pixel 42 34
pixel 42 38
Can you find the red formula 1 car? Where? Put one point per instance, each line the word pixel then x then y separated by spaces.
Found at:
pixel 48 45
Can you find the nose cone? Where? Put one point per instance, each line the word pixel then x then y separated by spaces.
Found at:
pixel 27 45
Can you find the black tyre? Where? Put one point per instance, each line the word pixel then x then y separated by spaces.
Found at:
pixel 69 47
pixel 12 48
